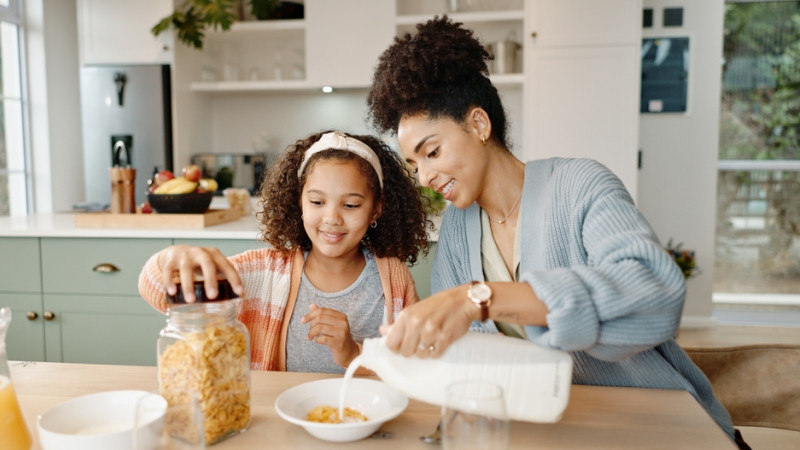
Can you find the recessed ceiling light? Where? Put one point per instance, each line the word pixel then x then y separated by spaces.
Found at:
pixel 327 89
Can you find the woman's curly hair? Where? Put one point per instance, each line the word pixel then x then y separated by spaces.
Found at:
pixel 439 71
pixel 401 229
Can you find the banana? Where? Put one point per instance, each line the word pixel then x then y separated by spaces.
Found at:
pixel 185 188
pixel 177 185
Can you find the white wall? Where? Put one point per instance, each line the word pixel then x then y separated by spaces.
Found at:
pixel 678 178
pixel 238 118
pixel 54 113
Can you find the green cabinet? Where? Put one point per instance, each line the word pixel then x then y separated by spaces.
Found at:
pixel 76 299
pixel 90 294
pixel 25 337
pixel 21 290
pixel 95 266
pixel 101 329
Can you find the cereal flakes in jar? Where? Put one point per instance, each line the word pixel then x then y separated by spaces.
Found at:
pixel 204 369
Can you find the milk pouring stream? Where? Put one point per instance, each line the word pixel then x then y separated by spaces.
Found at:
pixel 535 379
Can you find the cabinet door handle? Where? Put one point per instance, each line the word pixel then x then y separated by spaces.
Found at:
pixel 32 315
pixel 105 268
pixel 533 34
pixel 49 315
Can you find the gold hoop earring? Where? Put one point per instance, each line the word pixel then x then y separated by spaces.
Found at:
pixel 483 140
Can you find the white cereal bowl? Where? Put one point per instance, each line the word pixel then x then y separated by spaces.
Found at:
pixel 102 421
pixel 379 402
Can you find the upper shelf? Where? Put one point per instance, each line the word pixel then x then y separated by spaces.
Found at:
pixel 504 80
pixel 466 17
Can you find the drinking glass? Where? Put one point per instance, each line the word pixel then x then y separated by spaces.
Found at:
pixel 474 416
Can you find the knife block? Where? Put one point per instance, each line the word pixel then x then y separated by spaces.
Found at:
pixel 123 190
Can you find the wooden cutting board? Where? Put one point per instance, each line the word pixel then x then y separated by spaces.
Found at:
pixel 105 219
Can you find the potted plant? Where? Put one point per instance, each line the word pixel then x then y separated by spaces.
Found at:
pixel 193 17
pixel 685 259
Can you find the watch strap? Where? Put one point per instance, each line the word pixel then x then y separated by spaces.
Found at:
pixel 483 305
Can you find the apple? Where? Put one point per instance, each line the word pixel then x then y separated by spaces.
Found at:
pixel 192 172
pixel 162 176
pixel 158 179
pixel 146 208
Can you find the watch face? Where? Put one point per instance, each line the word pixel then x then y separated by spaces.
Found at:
pixel 481 292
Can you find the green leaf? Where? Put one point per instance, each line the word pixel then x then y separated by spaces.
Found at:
pixel 219 13
pixel 163 24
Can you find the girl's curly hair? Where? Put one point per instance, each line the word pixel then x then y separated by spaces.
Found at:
pixel 439 71
pixel 401 228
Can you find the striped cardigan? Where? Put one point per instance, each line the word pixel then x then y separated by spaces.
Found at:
pixel 271 280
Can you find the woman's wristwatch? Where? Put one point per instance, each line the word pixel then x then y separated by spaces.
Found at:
pixel 481 295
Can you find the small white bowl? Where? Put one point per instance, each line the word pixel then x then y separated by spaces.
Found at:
pixel 376 400
pixel 102 421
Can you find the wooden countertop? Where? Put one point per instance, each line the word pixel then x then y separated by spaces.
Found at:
pixel 596 417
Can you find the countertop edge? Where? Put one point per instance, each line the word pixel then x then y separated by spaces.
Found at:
pixel 62 224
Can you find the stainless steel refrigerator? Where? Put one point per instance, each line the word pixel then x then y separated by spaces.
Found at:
pixel 127 120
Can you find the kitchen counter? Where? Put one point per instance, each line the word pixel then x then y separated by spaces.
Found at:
pixel 63 225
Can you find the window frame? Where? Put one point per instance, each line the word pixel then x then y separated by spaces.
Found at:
pixel 14 14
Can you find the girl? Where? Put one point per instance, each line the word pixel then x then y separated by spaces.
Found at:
pixel 342 216
pixel 553 251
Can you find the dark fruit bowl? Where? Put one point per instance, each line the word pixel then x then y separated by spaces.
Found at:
pixel 191 203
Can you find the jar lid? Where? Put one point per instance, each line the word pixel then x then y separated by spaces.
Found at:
pixel 224 292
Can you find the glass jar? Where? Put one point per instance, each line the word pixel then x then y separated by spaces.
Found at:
pixel 204 360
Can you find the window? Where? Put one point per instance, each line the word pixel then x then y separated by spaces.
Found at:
pixel 757 257
pixel 15 178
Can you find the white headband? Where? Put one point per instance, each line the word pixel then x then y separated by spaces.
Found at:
pixel 338 141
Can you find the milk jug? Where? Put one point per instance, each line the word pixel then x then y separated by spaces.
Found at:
pixel 535 379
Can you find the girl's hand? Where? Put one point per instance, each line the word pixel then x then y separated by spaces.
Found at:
pixel 187 260
pixel 331 329
pixel 428 327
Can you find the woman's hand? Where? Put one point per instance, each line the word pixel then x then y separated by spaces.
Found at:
pixel 428 327
pixel 331 329
pixel 187 260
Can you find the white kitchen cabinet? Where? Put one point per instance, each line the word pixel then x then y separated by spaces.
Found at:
pixel 344 39
pixel 582 78
pixel 118 32
pixel 575 96
pixel 329 47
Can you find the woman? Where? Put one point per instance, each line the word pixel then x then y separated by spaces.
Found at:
pixel 553 251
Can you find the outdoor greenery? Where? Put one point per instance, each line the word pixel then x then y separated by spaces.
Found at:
pixel 760 120
pixel 761 80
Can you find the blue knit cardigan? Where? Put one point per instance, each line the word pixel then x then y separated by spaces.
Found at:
pixel 615 296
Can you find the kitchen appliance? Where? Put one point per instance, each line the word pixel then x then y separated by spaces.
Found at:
pixel 127 122
pixel 245 170
pixel 506 56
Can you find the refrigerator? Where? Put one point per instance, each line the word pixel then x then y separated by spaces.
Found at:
pixel 126 121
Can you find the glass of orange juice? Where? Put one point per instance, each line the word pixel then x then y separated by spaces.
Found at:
pixel 14 433
pixel 12 426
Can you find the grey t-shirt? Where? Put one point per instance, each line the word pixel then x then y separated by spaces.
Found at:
pixel 363 303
